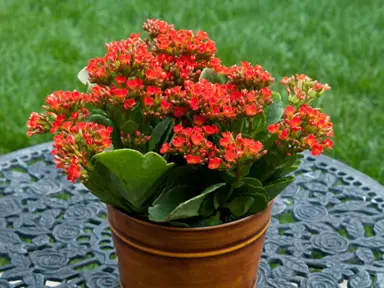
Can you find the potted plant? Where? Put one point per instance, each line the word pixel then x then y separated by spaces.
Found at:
pixel 188 154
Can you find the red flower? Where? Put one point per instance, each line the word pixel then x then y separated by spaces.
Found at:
pixel 225 142
pixel 148 101
pixel 255 147
pixel 154 74
pixel 197 139
pixel 250 110
pixel 317 150
pixel 213 129
pixel 129 103
pixel 153 90
pixel 311 140
pixel 248 76
pixel 295 121
pixel 177 129
pixel 191 159
pixel 266 92
pixel 155 27
pixel 164 148
pixel 76 144
pixel 57 123
pixel 214 163
pixel 37 124
pixel 302 89
pixel 74 169
pixel 178 142
pixel 273 129
pixel 327 143
pixel 284 81
pixel 120 79
pixel 119 92
pixel 179 111
pixel 289 111
pixel 163 75
pixel 199 120
pixel 230 155
pixel 284 134
pixel 135 84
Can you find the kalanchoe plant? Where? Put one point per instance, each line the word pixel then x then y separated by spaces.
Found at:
pixel 167 133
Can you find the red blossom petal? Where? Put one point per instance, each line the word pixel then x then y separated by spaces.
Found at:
pixel 214 163
pixel 273 129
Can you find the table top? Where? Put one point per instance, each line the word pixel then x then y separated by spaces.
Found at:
pixel 327 229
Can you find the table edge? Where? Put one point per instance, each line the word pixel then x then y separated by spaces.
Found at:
pixel 323 158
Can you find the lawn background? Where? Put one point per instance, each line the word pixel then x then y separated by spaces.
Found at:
pixel 45 43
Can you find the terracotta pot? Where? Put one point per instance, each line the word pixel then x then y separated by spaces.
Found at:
pixel 223 256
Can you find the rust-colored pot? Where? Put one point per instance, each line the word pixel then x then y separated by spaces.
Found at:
pixel 223 256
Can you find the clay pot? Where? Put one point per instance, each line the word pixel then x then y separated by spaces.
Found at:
pixel 223 256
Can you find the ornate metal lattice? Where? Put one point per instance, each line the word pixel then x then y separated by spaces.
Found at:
pixel 327 229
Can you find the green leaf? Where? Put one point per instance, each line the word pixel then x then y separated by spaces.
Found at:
pixel 214 220
pixel 248 199
pixel 97 111
pixel 211 221
pixel 108 187
pixel 174 206
pixel 275 188
pixel 237 184
pixel 244 169
pixel 288 170
pixel 270 165
pixel 207 208
pixel 158 133
pixel 135 114
pixel 104 120
pixel 129 127
pixel 260 203
pixel 292 166
pixel 228 177
pixel 166 203
pixel 258 124
pixel 221 196
pixel 212 76
pixel 179 224
pixel 252 181
pixel 83 76
pixel 240 205
pixel 275 111
pixel 284 166
pixel 117 113
pixel 183 175
pixel 168 135
pixel 139 173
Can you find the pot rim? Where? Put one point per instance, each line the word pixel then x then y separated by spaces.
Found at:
pixel 187 229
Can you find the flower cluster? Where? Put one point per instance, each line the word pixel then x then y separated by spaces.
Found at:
pixel 196 147
pixel 76 144
pixel 303 128
pixel 135 140
pixel 38 124
pixel 172 57
pixel 248 76
pixel 65 102
pixel 144 81
pixel 212 101
pixel 302 89
pixel 61 106
pixel 154 27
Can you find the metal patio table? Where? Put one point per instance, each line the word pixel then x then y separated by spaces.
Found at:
pixel 327 229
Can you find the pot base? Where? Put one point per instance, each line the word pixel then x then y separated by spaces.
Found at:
pixel 122 286
pixel 180 257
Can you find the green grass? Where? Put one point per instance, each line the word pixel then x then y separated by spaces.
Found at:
pixel 45 43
